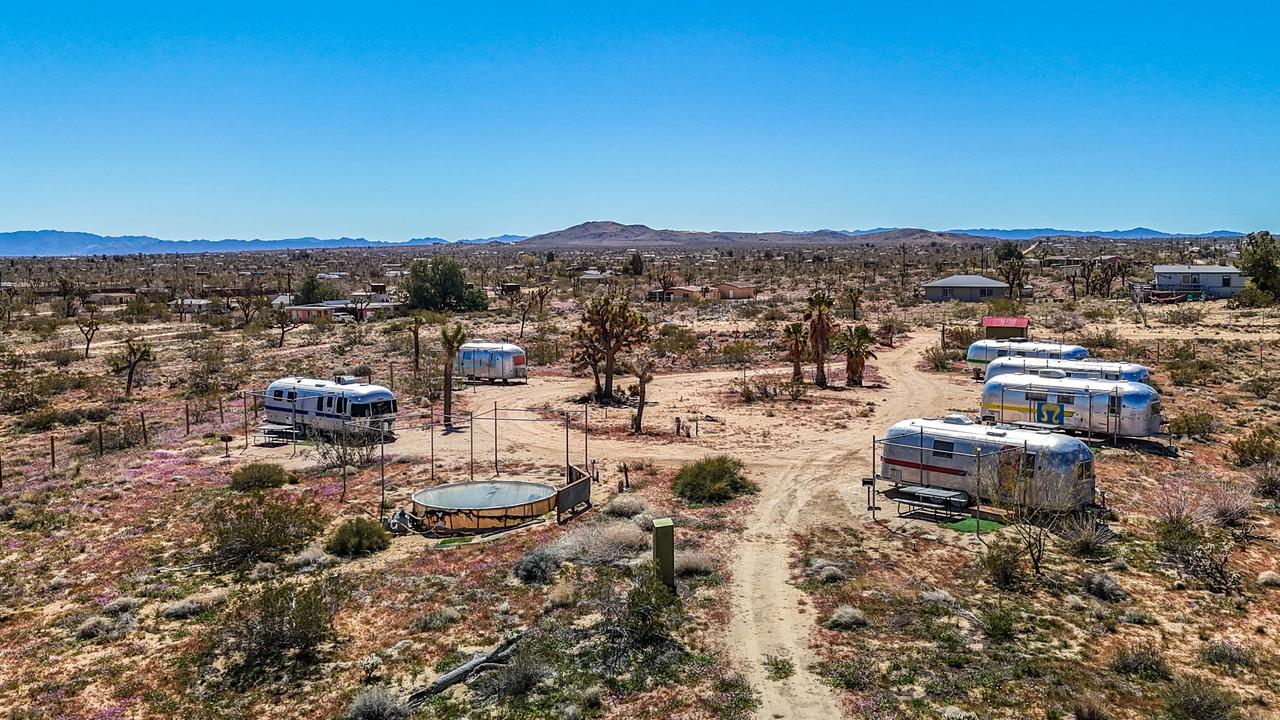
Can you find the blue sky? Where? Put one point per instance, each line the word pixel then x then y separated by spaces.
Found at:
pixel 242 120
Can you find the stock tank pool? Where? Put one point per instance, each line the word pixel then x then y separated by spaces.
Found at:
pixel 484 505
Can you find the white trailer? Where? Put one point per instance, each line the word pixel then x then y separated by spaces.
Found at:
pixel 1051 400
pixel 494 362
pixel 1088 368
pixel 983 352
pixel 308 404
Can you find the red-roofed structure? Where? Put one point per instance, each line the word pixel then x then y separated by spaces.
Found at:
pixel 996 327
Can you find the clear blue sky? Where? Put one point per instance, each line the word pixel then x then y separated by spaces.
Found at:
pixel 279 119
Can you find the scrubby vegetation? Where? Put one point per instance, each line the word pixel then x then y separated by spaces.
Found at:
pixel 715 479
pixel 358 536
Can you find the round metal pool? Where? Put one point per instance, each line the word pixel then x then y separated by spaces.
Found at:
pixel 483 506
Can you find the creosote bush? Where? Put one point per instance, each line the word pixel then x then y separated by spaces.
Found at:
pixel 260 476
pixel 247 530
pixel 1003 563
pixel 377 704
pixel 1143 660
pixel 281 619
pixel 715 479
pixel 1196 698
pixel 358 536
pixel 1193 424
pixel 536 567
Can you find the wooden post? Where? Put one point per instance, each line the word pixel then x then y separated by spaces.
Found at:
pixel 471 430
pixel 664 551
pixel 143 417
pixel 244 400
pixel 392 375
pixel 99 439
pixel 53 458
pixel 186 416
pixel 222 416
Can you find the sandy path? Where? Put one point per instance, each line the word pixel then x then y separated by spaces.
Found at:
pixel 816 483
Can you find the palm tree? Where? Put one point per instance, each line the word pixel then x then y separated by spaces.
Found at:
pixel 451 339
pixel 856 346
pixel 818 314
pixel 796 337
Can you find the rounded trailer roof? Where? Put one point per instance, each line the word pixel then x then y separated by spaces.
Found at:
pixel 1040 382
pixel 491 346
pixel 1068 364
pixel 960 426
pixel 483 495
pixel 1036 345
pixel 302 382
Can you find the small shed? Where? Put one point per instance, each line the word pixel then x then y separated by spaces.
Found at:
pixel 735 290
pixel 995 327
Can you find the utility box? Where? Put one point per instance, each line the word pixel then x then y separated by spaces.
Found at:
pixel 664 550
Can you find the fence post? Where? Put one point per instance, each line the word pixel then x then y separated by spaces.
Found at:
pixel 143 417
pixel 53 457
pixel 222 417
pixel 186 417
pixel 99 439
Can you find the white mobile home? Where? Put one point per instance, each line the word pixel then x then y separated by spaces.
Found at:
pixel 1050 399
pixel 478 360
pixel 1218 281
pixel 984 351
pixel 1048 471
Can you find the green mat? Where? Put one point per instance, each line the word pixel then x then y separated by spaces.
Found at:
pixel 969 525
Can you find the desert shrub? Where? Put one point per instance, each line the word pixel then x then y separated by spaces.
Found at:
pixel 1003 564
pixel 247 530
pixel 98 626
pixel 1104 587
pixel 1228 505
pixel 1251 297
pixel 193 605
pixel 536 567
pixel 715 479
pixel 305 560
pixel 1196 698
pixel 693 563
pixel 1197 371
pixel 515 679
pixel 651 608
pixel 1261 384
pixel 1142 660
pixel 1266 480
pixel 856 674
pixel 737 352
pixel 260 476
pixel 625 506
pixel 39 421
pixel 1227 654
pixel 20 401
pixel 1259 445
pixel 1208 562
pixel 279 620
pixel 1183 315
pixel 1084 537
pixel 1100 313
pixel 1193 423
pixel 1103 339
pixel 941 359
pixel 601 543
pixel 377 704
pixel 846 617
pixel 358 536
pixel 962 336
pixel 999 622
pixel 437 619
pixel 1088 708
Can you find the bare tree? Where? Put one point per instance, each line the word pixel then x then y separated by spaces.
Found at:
pixel 284 322
pixel 251 302
pixel 642 366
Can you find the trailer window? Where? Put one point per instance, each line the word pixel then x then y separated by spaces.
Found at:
pixel 277 394
pixel 1037 396
pixel 1113 404
pixel 328 403
pixel 1084 470
pixel 359 409
pixel 1002 353
pixel 943 448
pixel 384 407
pixel 1066 399
pixel 342 405
pixel 1028 464
pixel 292 395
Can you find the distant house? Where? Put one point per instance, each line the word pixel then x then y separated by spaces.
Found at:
pixel 1000 328
pixel 595 276
pixel 281 302
pixel 312 313
pixel 103 299
pixel 659 295
pixel 1220 281
pixel 191 306
pixel 692 293
pixel 735 290
pixel 509 288
pixel 965 288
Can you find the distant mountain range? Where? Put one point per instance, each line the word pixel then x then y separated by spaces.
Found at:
pixel 58 242
pixel 585 236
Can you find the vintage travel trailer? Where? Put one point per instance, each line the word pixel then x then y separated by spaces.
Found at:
pixel 1050 399
pixel 1036 468
pixel 1093 369
pixel 984 351
pixel 325 405
pixel 478 360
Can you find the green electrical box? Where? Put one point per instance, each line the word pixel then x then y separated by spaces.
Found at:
pixel 664 550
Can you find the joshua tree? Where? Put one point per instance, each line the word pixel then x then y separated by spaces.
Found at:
pixel 135 352
pixel 416 320
pixel 796 337
pixel 642 366
pixel 818 314
pixel 451 340
pixel 1013 271
pixel 284 322
pixel 88 325
pixel 609 326
pixel 856 345
pixel 852 298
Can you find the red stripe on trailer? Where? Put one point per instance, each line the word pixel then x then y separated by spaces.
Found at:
pixel 918 466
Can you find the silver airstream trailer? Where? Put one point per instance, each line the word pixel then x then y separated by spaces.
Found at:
pixel 1050 399
pixel 307 404
pixel 478 360
pixel 984 351
pixel 1036 468
pixel 1094 369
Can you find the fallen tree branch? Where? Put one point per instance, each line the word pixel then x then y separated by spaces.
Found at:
pixel 495 657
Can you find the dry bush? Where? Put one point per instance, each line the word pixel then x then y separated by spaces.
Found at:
pixel 278 620
pixel 625 506
pixel 600 543
pixel 1085 537
pixel 1193 424
pixel 1266 480
pixel 246 530
pixel 536 567
pixel 941 359
pixel 1143 660
pixel 194 605
pixel 1003 563
pixel 377 704
pixel 1104 587
pixel 692 563
pixel 1196 698
pixel 1183 315
pixel 1228 505
pixel 260 476
pixel 437 619
pixel 1258 446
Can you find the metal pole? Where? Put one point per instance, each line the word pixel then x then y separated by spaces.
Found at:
pixel 393 375
pixel 566 447
pixel 53 457
pixel 143 417
pixel 432 430
pixel 977 491
pixel 382 474
pixel 471 430
pixel 495 439
pixel 585 454
pixel 293 432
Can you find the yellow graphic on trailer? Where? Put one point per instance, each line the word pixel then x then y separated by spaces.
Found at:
pixel 1049 413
